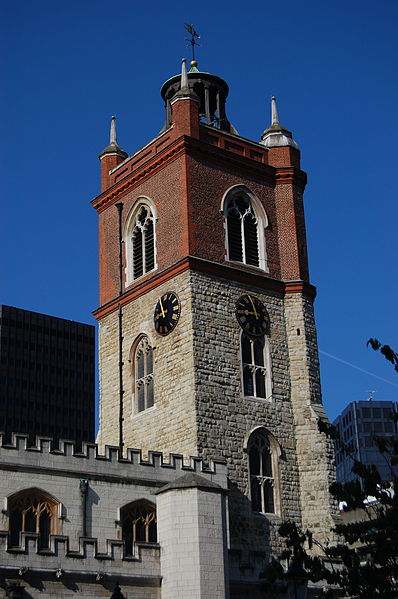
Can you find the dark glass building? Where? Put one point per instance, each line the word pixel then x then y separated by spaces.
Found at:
pixel 46 376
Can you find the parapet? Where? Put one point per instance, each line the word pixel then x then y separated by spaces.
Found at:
pixel 156 470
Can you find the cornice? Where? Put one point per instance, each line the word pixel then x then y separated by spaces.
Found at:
pixel 197 148
pixel 141 173
pixel 223 271
pixel 233 160
pixel 205 150
pixel 300 287
pixel 290 175
pixel 142 287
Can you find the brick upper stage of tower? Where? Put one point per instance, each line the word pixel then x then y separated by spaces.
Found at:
pixel 186 171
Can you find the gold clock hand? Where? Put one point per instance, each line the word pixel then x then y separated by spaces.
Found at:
pixel 161 307
pixel 254 307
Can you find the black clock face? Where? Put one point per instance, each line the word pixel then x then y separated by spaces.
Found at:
pixel 167 313
pixel 252 315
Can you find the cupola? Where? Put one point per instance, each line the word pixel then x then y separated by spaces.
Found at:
pixel 211 91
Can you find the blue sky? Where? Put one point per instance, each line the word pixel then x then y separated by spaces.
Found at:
pixel 69 65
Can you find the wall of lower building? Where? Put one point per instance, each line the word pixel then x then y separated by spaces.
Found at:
pixel 93 564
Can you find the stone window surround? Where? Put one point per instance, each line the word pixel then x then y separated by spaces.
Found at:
pixel 123 511
pixel 276 453
pixel 262 223
pixel 135 412
pixel 58 509
pixel 146 202
pixel 267 368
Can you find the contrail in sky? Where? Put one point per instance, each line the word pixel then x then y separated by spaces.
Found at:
pixel 325 353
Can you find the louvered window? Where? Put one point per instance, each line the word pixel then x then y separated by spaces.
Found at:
pixel 143 243
pixel 143 375
pixel 262 479
pixel 242 231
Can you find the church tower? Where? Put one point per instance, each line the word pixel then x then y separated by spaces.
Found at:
pixel 207 341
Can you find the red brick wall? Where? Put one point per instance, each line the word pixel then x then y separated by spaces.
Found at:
pixel 186 178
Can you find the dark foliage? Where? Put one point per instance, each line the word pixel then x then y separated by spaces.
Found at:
pixel 364 564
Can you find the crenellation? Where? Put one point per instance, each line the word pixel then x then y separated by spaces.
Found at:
pixel 111 454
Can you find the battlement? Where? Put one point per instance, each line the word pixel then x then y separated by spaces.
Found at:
pixel 88 548
pixel 59 561
pixel 155 469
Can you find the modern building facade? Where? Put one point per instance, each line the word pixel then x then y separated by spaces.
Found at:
pixel 358 424
pixel 46 377
pixel 207 348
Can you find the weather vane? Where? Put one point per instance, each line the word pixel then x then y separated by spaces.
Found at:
pixel 194 37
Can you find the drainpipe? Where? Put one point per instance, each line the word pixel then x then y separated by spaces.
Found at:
pixel 119 207
pixel 83 505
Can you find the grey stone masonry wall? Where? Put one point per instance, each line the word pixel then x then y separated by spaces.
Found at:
pixel 98 560
pixel 225 418
pixel 314 451
pixel 170 424
pixel 200 408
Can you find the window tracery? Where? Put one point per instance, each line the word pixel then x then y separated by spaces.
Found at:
pixel 140 243
pixel 245 223
pixel 138 524
pixel 256 367
pixel 262 475
pixel 143 375
pixel 32 511
pixel 242 228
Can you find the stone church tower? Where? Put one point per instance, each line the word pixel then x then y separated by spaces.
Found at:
pixel 207 341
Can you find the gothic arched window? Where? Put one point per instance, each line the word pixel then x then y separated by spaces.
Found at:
pixel 256 367
pixel 262 474
pixel 245 221
pixel 32 511
pixel 143 375
pixel 138 521
pixel 140 243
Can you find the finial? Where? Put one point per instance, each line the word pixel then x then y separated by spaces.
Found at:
pixel 276 135
pixel 112 136
pixel 193 63
pixel 184 76
pixel 113 148
pixel 274 112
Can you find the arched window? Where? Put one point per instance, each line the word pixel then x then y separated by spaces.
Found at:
pixel 32 511
pixel 245 221
pixel 138 521
pixel 256 367
pixel 143 375
pixel 140 243
pixel 262 466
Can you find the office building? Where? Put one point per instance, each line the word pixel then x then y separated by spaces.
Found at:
pixel 358 424
pixel 47 376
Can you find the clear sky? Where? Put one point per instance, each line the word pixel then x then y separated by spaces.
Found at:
pixel 69 65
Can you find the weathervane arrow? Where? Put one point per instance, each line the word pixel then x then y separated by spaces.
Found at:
pixel 194 37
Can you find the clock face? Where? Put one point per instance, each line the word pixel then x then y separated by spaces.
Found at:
pixel 167 313
pixel 252 315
